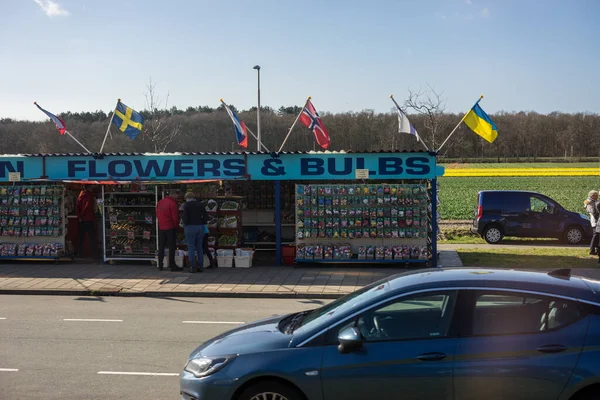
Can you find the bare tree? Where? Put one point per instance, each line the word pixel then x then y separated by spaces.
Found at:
pixel 429 103
pixel 160 129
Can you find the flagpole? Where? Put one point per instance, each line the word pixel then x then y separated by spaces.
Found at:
pixel 256 137
pixel 109 124
pixel 294 124
pixel 252 133
pixel 460 122
pixel 78 142
pixel 416 133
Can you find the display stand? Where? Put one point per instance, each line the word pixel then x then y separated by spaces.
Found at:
pixel 377 223
pixel 32 222
pixel 225 221
pixel 129 224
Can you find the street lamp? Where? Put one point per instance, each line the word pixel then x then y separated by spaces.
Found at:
pixel 257 68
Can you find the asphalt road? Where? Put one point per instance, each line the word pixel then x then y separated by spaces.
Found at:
pixel 113 347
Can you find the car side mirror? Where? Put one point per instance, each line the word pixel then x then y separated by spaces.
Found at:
pixel 350 339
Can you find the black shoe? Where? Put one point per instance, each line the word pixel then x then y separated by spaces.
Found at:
pixel 176 269
pixel 160 268
pixel 593 253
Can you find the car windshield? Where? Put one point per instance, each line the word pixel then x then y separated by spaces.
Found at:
pixel 344 304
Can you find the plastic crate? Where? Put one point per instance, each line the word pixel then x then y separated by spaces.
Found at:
pixel 225 261
pixel 243 261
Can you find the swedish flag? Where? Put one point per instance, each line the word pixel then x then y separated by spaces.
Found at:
pixel 481 123
pixel 128 121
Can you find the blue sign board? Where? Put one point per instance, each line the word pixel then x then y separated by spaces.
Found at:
pixel 340 166
pixel 29 167
pixel 174 167
pixel 146 168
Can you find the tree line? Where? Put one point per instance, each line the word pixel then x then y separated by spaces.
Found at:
pixel 525 135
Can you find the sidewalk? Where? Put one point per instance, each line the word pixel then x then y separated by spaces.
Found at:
pixel 81 279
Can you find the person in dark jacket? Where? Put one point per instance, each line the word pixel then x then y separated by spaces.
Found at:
pixel 85 209
pixel 195 217
pixel 167 215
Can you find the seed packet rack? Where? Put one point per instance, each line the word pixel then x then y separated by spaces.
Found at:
pixel 369 223
pixel 32 222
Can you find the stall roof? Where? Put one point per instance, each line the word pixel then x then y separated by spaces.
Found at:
pixel 120 154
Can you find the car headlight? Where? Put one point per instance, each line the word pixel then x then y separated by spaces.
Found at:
pixel 205 366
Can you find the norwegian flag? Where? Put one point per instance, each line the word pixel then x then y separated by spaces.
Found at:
pixel 310 118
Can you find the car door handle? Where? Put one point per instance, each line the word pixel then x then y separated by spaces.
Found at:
pixel 552 348
pixel 431 357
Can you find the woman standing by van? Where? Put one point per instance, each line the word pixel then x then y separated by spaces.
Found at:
pixel 591 206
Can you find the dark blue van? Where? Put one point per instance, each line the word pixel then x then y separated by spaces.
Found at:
pixel 502 213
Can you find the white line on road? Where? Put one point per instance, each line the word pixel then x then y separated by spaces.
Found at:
pixel 2 317
pixel 137 373
pixel 9 370
pixel 91 320
pixel 214 322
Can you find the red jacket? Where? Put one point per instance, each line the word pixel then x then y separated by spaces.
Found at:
pixel 85 207
pixel 167 214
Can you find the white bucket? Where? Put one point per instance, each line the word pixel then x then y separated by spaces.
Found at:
pixel 225 261
pixel 243 261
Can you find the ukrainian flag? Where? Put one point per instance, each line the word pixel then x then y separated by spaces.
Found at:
pixel 128 121
pixel 481 123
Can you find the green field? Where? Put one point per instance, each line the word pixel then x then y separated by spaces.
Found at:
pixel 523 165
pixel 458 194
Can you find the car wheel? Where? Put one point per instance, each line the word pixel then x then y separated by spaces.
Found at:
pixel 492 234
pixel 574 235
pixel 270 390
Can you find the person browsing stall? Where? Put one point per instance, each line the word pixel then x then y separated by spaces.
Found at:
pixel 167 215
pixel 195 218
pixel 85 209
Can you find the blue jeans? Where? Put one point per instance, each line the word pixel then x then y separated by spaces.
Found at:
pixel 194 234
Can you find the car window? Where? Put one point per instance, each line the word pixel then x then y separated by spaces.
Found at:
pixel 344 304
pixel 422 316
pixel 513 313
pixel 540 205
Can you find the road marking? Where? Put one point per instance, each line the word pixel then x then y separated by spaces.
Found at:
pixel 214 322
pixel 137 373
pixel 2 317
pixel 91 320
pixel 9 370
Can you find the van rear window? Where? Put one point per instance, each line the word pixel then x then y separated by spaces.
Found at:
pixel 505 202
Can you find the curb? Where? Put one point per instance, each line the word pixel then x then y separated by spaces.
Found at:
pixel 118 293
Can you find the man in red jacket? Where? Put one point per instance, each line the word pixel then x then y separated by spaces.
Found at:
pixel 85 208
pixel 167 213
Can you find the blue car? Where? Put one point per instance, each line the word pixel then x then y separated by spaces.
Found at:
pixel 431 334
pixel 517 213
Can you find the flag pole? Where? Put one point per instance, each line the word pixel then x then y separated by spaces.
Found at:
pixel 109 123
pixel 459 122
pixel 416 133
pixel 77 141
pixel 294 124
pixel 252 133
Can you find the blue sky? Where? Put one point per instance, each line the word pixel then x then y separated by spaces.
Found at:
pixel 81 55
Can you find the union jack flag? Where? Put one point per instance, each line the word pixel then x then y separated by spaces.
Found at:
pixel 310 118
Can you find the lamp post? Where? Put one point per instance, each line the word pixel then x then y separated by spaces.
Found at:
pixel 257 68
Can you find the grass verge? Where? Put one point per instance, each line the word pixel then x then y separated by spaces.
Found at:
pixel 528 258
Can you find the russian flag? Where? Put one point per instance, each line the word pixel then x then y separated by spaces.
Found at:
pixel 60 124
pixel 240 129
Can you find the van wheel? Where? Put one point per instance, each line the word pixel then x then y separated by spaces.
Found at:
pixel 573 235
pixel 492 234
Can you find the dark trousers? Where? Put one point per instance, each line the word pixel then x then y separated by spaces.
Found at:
pixel 166 238
pixel 205 248
pixel 89 228
pixel 594 242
